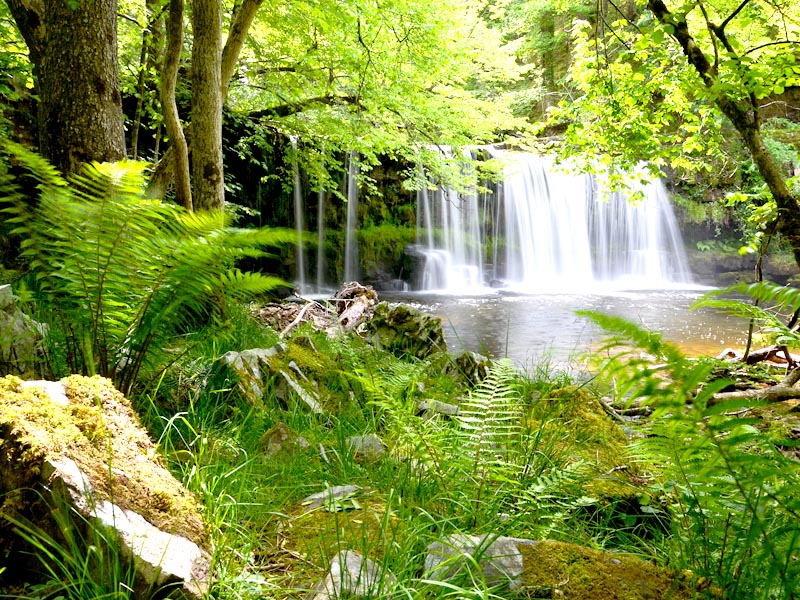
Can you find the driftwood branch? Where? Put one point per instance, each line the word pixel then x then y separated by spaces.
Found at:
pixel 784 390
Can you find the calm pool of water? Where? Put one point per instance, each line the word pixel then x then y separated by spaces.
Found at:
pixel 531 327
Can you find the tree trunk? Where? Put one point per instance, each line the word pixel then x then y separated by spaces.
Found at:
pixel 207 169
pixel 240 25
pixel 149 61
pixel 172 120
pixel 73 47
pixel 242 19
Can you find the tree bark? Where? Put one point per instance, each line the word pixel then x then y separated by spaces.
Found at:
pixel 172 121
pixel 744 115
pixel 73 48
pixel 207 168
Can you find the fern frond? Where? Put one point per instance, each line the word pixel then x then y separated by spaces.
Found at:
pixel 122 272
pixel 489 423
pixel 783 298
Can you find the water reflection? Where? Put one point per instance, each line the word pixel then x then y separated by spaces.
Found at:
pixel 528 328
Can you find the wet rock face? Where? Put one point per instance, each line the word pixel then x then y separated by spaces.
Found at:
pixel 405 331
pixel 73 457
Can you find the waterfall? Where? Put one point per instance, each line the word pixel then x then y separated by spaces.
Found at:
pixel 351 235
pixel 449 239
pixel 549 230
pixel 561 232
pixel 300 256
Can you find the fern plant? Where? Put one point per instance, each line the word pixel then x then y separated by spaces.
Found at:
pixel 732 493
pixel 476 457
pixel 120 276
pixel 487 436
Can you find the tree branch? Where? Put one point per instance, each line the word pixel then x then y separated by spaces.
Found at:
pixel 732 16
pixel 242 19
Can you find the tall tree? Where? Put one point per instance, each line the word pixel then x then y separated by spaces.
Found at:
pixel 212 69
pixel 73 48
pixel 207 168
pixel 741 103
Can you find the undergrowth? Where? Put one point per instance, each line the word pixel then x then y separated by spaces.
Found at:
pixel 730 492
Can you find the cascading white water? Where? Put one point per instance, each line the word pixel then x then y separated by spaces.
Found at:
pixel 351 233
pixel 449 239
pixel 300 256
pixel 560 232
pixel 549 230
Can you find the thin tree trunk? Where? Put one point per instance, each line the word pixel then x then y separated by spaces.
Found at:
pixel 180 151
pixel 242 20
pixel 148 61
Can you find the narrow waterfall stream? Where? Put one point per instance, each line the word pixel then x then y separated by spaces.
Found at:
pixel 351 232
pixel 300 260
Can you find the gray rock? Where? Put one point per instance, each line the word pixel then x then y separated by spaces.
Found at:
pixel 367 448
pixel 160 558
pixel 430 408
pixel 19 336
pixel 253 369
pixel 471 367
pixel 92 494
pixel 54 389
pixel 249 366
pixel 329 495
pixel 405 331
pixel 282 440
pixel 352 575
pixel 499 558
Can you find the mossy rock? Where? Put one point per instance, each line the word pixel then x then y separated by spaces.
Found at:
pixel 582 430
pixel 576 428
pixel 561 570
pixel 405 331
pixel 361 522
pixel 96 429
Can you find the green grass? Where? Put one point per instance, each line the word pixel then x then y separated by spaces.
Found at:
pixel 443 476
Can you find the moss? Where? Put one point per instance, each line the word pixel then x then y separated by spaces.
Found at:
pixel 573 427
pixel 100 432
pixel 313 364
pixel 320 533
pixel 580 573
pixel 576 425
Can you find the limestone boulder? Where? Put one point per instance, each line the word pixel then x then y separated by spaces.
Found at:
pixel 73 457
pixel 353 576
pixel 498 558
pixel 256 370
pixel 366 448
pixel 281 440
